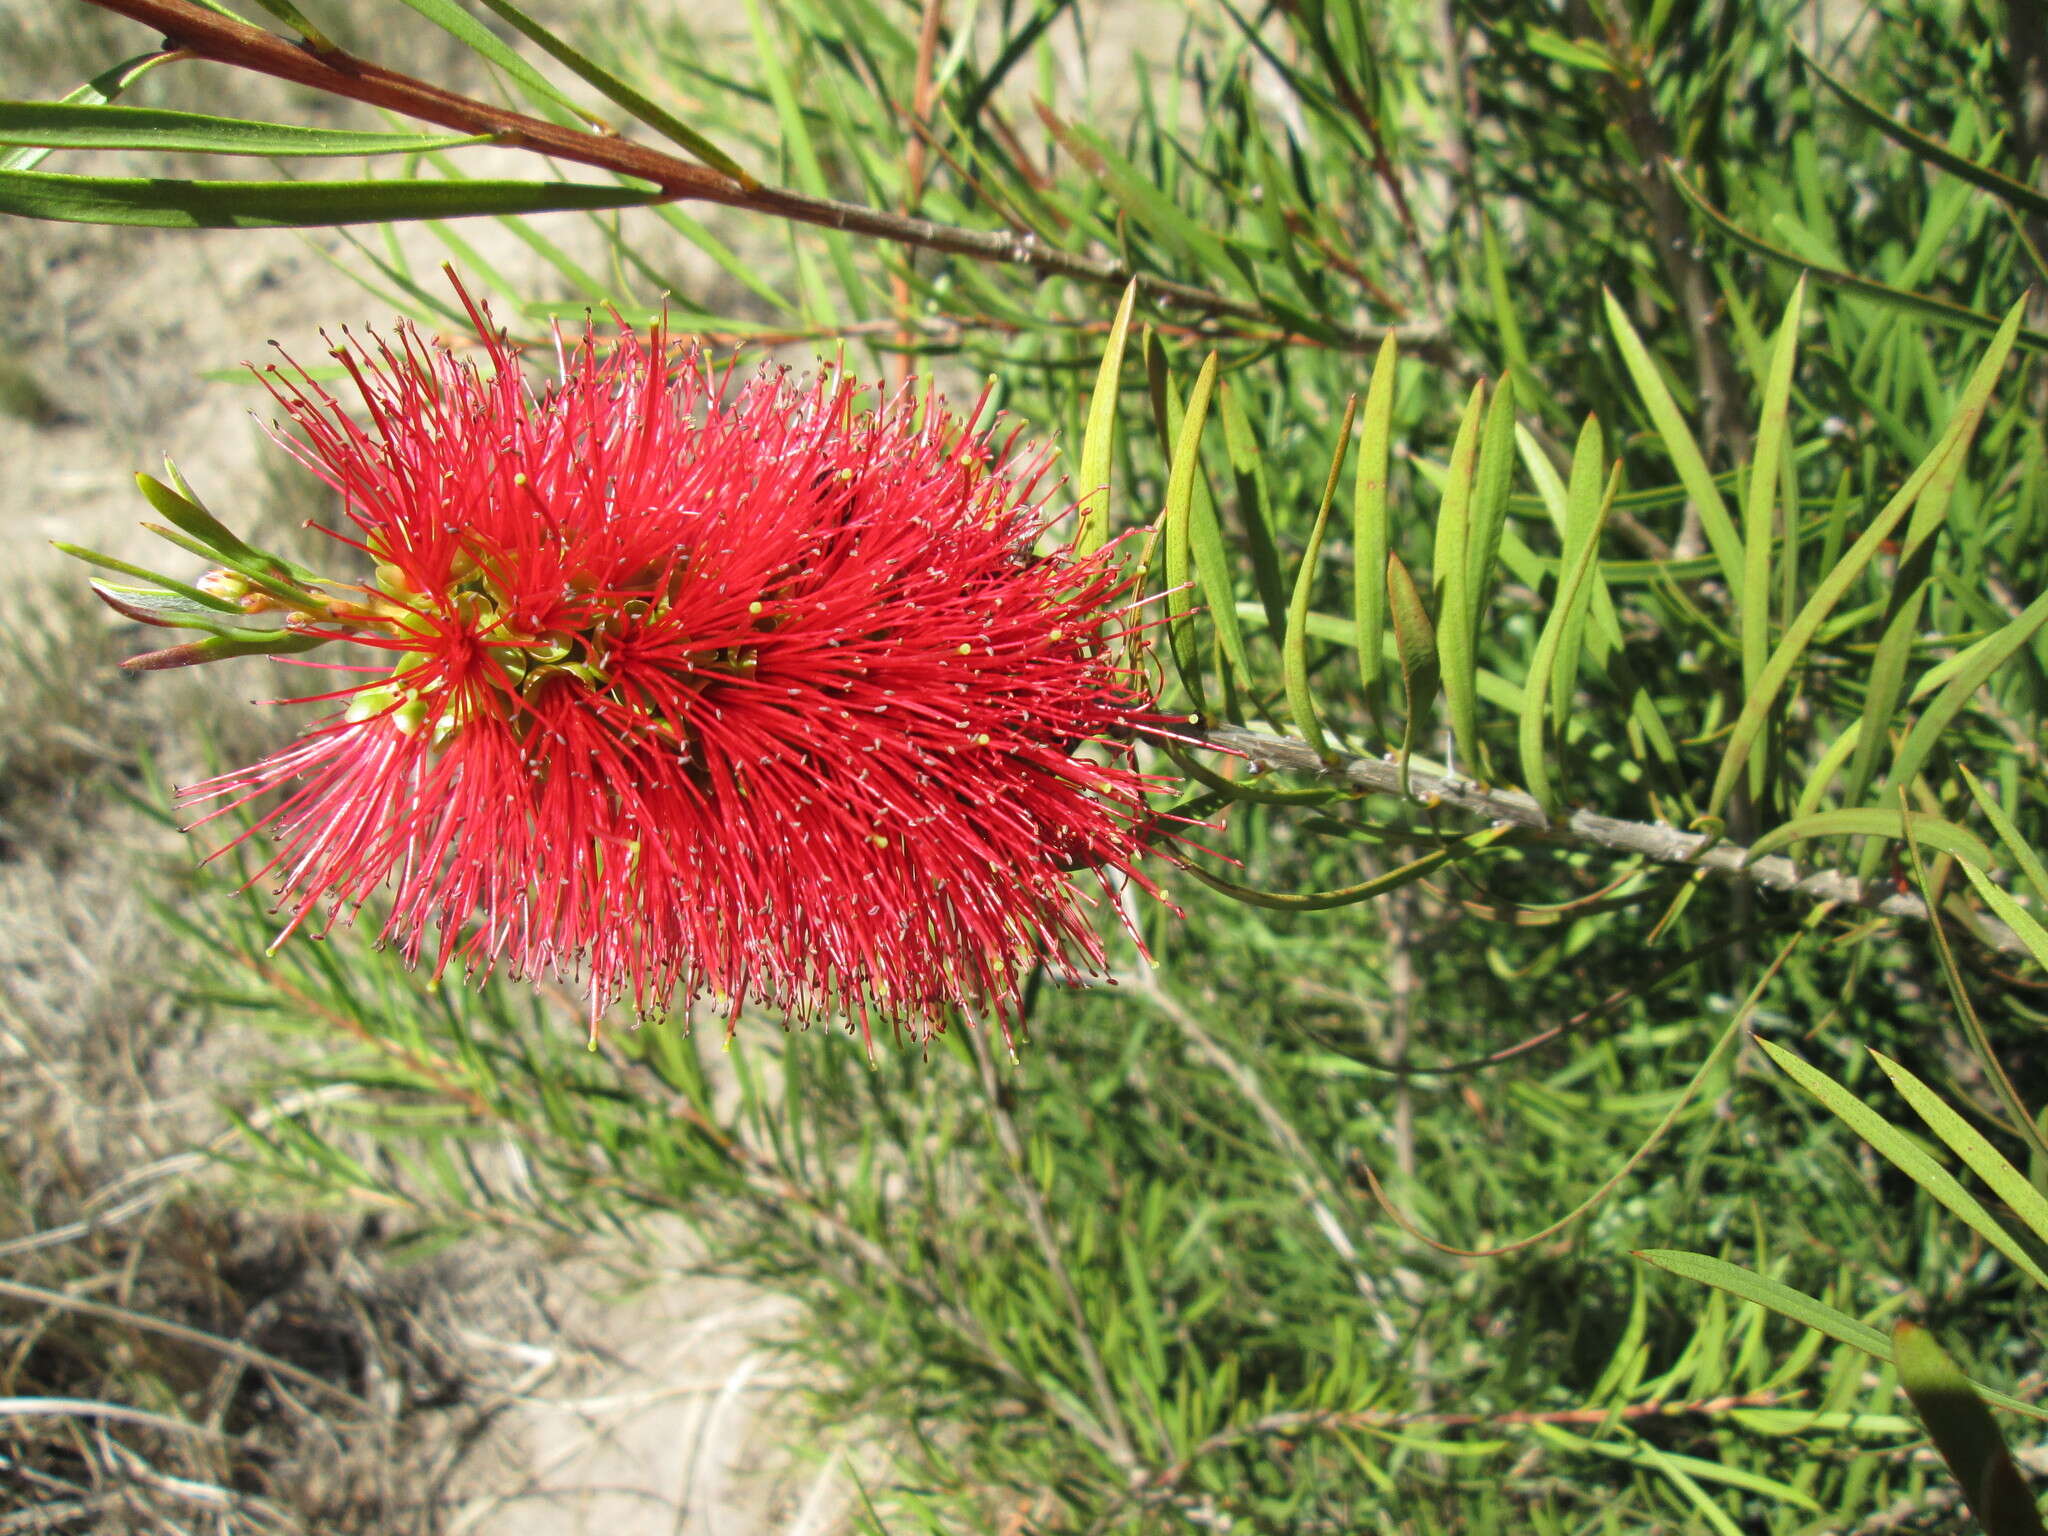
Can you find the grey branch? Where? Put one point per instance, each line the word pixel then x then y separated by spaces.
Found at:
pixel 1645 840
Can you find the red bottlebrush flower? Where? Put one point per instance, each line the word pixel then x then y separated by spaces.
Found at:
pixel 704 688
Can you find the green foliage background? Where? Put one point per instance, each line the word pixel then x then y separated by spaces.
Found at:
pixel 1190 1259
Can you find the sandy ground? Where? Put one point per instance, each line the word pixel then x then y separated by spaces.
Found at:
pixel 626 1415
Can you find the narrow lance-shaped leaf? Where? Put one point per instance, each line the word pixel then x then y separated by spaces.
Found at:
pixel 2015 194
pixel 1906 1154
pixel 1254 502
pixel 164 204
pixel 288 13
pixel 1758 505
pixel 2016 917
pixel 1965 1433
pixel 2021 1117
pixel 78 125
pixel 1098 441
pixel 1680 445
pixel 1415 644
pixel 2023 854
pixel 1895 646
pixel 1379 885
pixel 1567 613
pixel 1216 572
pixel 619 92
pixel 100 89
pixel 1773 1296
pixel 155 605
pixel 194 519
pixel 1456 657
pixel 1875 821
pixel 1762 699
pixel 474 35
pixel 1294 651
pixel 225 646
pixel 1957 315
pixel 1936 718
pixel 1586 507
pixel 1176 517
pixel 1369 522
pixel 1488 516
pixel 1962 1138
pixel 191 594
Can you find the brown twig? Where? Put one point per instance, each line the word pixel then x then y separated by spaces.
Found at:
pixel 1319 1195
pixel 1647 840
pixel 1692 286
pixel 914 162
pixel 1313 1420
pixel 1040 1221
pixel 209 35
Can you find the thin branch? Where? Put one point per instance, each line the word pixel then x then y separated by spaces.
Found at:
pixel 234 1349
pixel 1298 1422
pixel 211 36
pixel 778 1195
pixel 1318 1194
pixel 1033 1200
pixel 1692 286
pixel 1646 840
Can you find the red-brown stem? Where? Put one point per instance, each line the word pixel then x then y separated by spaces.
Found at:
pixel 914 165
pixel 209 35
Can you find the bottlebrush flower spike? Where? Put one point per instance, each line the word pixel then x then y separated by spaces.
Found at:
pixel 699 686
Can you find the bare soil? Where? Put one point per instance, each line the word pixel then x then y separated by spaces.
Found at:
pixel 494 1391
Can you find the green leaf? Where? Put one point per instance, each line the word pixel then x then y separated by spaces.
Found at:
pixel 1253 501
pixel 2016 917
pixel 102 88
pixel 1572 52
pixel 1586 508
pixel 1955 315
pixel 474 35
pixel 1457 657
pixel 1415 645
pixel 1904 1154
pixel 1488 514
pixel 2009 838
pixel 618 92
pixel 225 645
pixel 1142 201
pixel 65 125
pixel 2015 194
pixel 1567 614
pixel 1762 699
pixel 1875 821
pixel 1680 446
pixel 1936 718
pixel 1760 503
pixel 1379 885
pixel 1369 522
pixel 190 594
pixel 295 18
pixel 802 150
pixel 1773 1296
pixel 1176 517
pixel 1965 1433
pixel 153 605
pixel 195 520
pixel 1301 699
pixel 2012 1186
pixel 1216 572
pixel 1098 442
pixel 163 204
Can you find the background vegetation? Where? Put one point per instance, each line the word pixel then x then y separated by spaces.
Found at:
pixel 1204 1253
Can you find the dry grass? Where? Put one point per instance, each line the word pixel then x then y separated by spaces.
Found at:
pixel 179 1353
